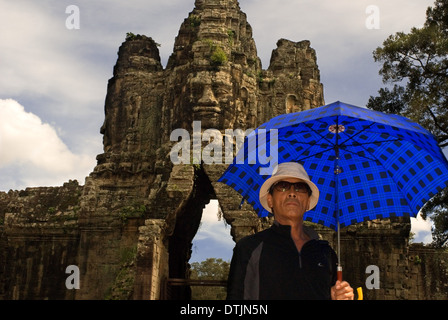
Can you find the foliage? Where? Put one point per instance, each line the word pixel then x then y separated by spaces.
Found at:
pixel 194 20
pixel 210 269
pixel 123 286
pixel 132 211
pixel 231 36
pixel 417 64
pixel 130 36
pixel 218 57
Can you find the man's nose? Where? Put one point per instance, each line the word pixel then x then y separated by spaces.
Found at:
pixel 292 192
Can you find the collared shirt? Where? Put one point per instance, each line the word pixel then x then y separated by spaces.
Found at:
pixel 268 266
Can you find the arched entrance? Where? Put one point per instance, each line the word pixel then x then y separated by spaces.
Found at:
pixel 213 239
pixel 187 224
pixel 165 245
pixel 240 216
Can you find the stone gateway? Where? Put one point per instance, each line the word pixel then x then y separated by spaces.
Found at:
pixel 130 226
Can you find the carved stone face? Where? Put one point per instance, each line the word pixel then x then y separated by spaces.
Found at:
pixel 211 93
pixel 220 99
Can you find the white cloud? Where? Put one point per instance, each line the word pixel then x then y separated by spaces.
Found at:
pixel 213 238
pixel 338 33
pixel 42 60
pixel 31 152
pixel 41 57
pixel 211 227
pixel 421 229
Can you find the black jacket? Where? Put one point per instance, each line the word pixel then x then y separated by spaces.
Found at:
pixel 268 266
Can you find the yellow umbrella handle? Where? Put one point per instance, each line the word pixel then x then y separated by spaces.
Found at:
pixel 359 290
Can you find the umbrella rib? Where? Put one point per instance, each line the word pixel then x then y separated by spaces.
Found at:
pixel 361 156
pixel 307 143
pixel 315 131
pixel 298 142
pixel 362 145
pixel 356 134
pixel 374 142
pixel 314 154
pixel 319 134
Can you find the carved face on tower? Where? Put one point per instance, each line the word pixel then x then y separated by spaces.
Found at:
pixel 220 98
pixel 210 95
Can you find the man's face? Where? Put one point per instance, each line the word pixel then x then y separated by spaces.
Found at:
pixel 288 205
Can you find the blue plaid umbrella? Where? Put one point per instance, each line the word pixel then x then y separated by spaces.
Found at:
pixel 366 164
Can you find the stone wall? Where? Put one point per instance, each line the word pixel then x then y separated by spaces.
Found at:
pixel 38 240
pixel 405 271
pixel 428 272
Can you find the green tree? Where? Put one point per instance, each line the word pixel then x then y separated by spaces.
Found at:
pixel 417 64
pixel 210 269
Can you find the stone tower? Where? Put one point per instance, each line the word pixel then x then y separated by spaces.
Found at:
pixel 131 225
pixel 213 77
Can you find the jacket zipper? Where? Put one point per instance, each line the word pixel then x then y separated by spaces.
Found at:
pixel 300 254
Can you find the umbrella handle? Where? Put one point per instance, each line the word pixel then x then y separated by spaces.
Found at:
pixel 339 273
pixel 360 296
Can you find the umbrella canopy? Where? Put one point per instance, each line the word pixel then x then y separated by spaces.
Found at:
pixel 366 164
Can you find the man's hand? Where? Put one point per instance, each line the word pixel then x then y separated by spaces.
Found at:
pixel 342 291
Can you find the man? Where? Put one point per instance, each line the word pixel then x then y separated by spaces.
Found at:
pixel 286 261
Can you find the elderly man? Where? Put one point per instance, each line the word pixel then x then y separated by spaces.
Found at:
pixel 286 261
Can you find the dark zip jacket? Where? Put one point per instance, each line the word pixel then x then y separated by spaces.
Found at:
pixel 268 266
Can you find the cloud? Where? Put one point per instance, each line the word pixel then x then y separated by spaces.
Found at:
pixel 41 56
pixel 211 227
pixel 337 31
pixel 62 74
pixel 213 238
pixel 421 229
pixel 31 152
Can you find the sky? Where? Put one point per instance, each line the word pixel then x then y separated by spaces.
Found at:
pixel 54 70
pixel 212 230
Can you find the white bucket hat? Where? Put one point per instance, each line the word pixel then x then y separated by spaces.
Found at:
pixel 288 170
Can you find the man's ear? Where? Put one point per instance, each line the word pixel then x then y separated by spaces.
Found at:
pixel 269 199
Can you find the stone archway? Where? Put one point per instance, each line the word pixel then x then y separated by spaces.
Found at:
pixel 187 224
pixel 165 245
